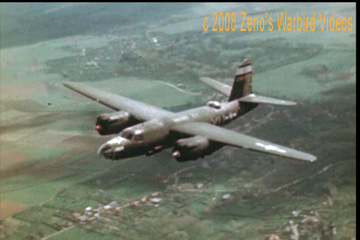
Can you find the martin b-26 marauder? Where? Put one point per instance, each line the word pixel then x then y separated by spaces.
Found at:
pixel 194 133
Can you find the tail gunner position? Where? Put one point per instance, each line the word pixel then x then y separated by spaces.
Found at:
pixel 194 133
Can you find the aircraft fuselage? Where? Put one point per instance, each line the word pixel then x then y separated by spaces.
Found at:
pixel 193 133
pixel 154 135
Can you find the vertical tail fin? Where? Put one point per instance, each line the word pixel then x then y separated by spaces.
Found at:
pixel 242 85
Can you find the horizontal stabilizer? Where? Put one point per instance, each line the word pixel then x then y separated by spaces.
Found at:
pixel 252 98
pixel 221 87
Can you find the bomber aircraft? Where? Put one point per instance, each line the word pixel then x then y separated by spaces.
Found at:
pixel 145 129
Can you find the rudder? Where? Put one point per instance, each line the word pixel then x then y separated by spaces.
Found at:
pixel 242 85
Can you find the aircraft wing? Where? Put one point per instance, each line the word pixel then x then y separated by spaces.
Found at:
pixel 139 110
pixel 225 136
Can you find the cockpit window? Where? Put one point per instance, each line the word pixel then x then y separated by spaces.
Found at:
pixel 132 135
pixel 127 135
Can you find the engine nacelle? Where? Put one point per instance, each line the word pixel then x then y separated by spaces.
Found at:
pixel 187 149
pixel 111 123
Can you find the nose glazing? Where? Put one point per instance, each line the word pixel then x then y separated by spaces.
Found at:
pixel 106 150
pixel 113 148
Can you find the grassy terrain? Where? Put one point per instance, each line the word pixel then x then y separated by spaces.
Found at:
pixel 23 24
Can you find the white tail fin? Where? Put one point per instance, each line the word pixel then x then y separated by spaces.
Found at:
pixel 242 85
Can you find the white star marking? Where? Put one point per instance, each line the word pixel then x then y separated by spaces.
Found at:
pixel 270 147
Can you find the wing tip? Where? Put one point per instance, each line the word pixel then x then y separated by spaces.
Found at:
pixel 312 158
pixel 290 103
pixel 71 85
pixel 204 79
pixel 309 158
pixel 67 84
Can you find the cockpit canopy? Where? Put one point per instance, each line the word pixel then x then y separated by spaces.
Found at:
pixel 152 131
pixel 132 135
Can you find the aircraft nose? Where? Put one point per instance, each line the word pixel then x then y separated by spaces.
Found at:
pixel 112 149
pixel 106 150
